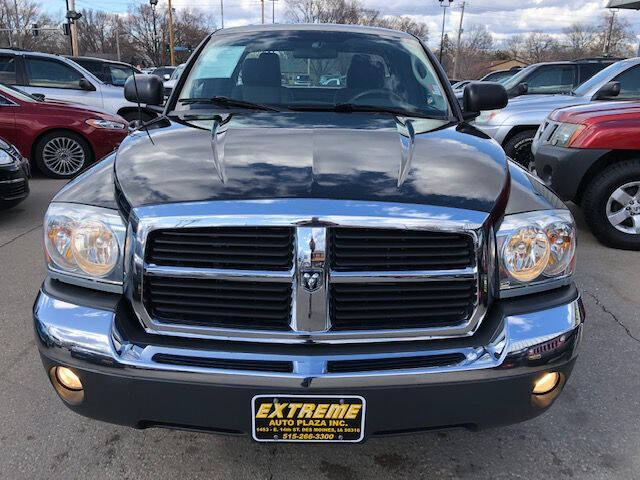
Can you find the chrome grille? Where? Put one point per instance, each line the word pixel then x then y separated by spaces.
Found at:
pixel 357 249
pixel 199 270
pixel 252 248
pixel 356 306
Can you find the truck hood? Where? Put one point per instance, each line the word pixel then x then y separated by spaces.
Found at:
pixel 543 102
pixel 355 156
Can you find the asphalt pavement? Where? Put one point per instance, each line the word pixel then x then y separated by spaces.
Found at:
pixel 592 431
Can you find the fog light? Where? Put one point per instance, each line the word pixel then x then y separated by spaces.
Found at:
pixel 68 379
pixel 546 383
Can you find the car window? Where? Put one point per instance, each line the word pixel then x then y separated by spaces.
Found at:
pixel 552 79
pixel 629 83
pixel 119 74
pixel 7 69
pixel 588 70
pixel 292 69
pixel 47 73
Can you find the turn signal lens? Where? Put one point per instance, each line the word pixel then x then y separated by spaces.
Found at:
pixel 546 383
pixel 58 232
pixel 68 379
pixel 562 239
pixel 526 253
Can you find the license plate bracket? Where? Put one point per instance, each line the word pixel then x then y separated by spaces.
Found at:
pixel 308 418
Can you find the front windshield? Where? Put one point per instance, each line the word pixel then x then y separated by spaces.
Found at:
pixel 598 78
pixel 17 93
pixel 518 78
pixel 176 73
pixel 321 69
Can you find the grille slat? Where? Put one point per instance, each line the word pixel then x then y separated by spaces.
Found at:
pixel 394 363
pixel 354 249
pixel 225 363
pixel 401 305
pixel 250 248
pixel 219 303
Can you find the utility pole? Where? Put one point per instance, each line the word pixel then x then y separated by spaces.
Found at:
pixel 457 61
pixel 273 11
pixel 222 13
pixel 172 52
pixel 118 39
pixel 607 45
pixel 262 3
pixel 444 6
pixel 154 4
pixel 73 28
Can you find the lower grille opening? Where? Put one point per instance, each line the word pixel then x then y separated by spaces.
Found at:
pixel 142 424
pixel 394 363
pixel 219 303
pixel 225 363
pixel 365 306
pixel 10 191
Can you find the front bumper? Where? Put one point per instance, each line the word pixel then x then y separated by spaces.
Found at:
pixel 124 384
pixel 14 182
pixel 562 169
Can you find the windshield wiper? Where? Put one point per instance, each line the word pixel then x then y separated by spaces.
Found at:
pixel 350 107
pixel 228 102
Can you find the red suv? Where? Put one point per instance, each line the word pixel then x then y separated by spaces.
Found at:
pixel 590 154
pixel 60 138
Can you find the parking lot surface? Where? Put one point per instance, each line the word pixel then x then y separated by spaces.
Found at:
pixel 592 432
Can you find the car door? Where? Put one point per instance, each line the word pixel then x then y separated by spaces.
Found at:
pixel 58 80
pixel 552 79
pixel 7 119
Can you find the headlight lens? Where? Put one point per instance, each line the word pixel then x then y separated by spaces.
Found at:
pixel 86 242
pixel 564 134
pixel 5 158
pixel 108 124
pixel 535 248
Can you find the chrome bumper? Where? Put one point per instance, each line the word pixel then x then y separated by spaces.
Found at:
pixel 87 338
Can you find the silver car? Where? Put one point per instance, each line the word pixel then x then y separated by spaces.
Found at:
pixel 59 78
pixel 515 126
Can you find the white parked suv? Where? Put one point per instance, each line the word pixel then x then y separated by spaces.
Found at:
pixel 59 78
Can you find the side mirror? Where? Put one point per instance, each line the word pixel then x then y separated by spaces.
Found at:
pixel 522 88
pixel 39 96
pixel 479 96
pixel 609 89
pixel 85 84
pixel 167 76
pixel 144 89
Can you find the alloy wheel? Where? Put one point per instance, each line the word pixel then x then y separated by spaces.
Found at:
pixel 63 156
pixel 623 208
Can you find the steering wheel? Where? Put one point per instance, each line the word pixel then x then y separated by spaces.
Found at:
pixel 376 91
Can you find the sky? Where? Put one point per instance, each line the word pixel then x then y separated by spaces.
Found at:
pixel 501 17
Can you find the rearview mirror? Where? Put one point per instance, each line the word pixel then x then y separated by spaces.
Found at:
pixel 479 96
pixel 144 89
pixel 609 89
pixel 522 88
pixel 85 84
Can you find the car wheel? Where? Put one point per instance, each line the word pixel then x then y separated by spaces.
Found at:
pixel 136 119
pixel 62 154
pixel 518 148
pixel 611 205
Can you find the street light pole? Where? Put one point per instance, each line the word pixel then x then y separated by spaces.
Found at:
pixel 153 4
pixel 444 5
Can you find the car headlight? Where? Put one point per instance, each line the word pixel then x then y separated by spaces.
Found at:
pixel 535 250
pixel 563 135
pixel 84 245
pixel 5 157
pixel 108 124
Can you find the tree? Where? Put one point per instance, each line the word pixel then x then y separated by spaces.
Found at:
pixel 540 47
pixel 476 51
pixel 615 35
pixel 18 18
pixel 581 40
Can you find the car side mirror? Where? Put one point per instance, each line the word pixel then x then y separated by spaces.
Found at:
pixel 85 84
pixel 39 96
pixel 609 89
pixel 167 76
pixel 144 89
pixel 479 96
pixel 522 88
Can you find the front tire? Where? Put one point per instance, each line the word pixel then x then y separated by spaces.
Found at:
pixel 518 148
pixel 62 154
pixel 611 205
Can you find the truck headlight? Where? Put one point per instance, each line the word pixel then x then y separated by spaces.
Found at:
pixel 535 250
pixel 84 245
pixel 564 134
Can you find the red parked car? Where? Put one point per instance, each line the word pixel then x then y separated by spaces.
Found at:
pixel 590 154
pixel 60 138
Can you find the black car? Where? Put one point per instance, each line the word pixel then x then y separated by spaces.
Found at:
pixel 14 176
pixel 109 71
pixel 500 75
pixel 307 264
pixel 554 77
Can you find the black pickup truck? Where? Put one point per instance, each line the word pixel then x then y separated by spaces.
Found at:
pixel 309 262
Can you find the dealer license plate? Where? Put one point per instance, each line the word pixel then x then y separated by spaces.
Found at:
pixel 308 418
